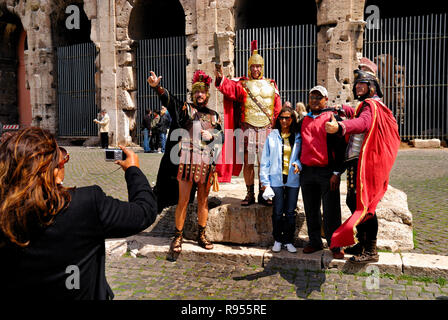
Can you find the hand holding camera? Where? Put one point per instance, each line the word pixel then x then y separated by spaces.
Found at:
pixel 128 157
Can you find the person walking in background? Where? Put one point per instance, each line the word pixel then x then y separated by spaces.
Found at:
pixel 163 126
pixel 279 175
pixel 322 159
pixel 300 111
pixel 46 228
pixel 146 125
pixel 155 137
pixel 103 124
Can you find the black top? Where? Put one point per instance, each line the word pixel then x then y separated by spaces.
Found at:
pixel 164 123
pixel 146 123
pixel 77 238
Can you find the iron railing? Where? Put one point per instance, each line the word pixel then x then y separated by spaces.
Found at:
pixel 76 90
pixel 290 58
pixel 412 67
pixel 167 58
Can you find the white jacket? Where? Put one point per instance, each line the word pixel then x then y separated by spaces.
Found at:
pixel 104 123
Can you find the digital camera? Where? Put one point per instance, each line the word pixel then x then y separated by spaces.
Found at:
pixel 115 154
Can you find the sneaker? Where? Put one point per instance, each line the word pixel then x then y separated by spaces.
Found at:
pixel 291 248
pixel 277 246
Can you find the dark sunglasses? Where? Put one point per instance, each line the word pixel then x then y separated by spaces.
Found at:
pixel 318 98
pixel 284 118
pixel 65 157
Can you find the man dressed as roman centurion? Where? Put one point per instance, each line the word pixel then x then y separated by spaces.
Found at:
pixel 191 161
pixel 252 104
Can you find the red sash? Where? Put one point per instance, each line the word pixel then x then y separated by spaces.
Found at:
pixel 377 156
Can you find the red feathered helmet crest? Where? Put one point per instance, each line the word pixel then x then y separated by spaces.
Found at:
pixel 201 81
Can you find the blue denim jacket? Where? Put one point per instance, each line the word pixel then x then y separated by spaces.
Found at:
pixel 271 165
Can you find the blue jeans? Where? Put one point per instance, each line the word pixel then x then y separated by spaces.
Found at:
pixel 146 147
pixel 162 141
pixel 283 214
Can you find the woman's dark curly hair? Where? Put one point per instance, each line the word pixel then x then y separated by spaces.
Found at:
pixel 294 128
pixel 30 198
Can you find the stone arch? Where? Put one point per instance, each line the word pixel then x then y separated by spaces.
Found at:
pixel 14 96
pixel 138 20
pixel 262 13
pixel 63 36
pixel 148 19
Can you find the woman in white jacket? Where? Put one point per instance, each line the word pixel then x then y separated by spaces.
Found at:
pixel 279 175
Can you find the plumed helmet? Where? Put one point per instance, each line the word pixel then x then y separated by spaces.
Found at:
pixel 255 58
pixel 369 78
pixel 366 64
pixel 201 81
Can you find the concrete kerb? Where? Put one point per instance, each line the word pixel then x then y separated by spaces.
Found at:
pixel 418 265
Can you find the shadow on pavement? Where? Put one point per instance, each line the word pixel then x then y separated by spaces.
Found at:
pixel 305 281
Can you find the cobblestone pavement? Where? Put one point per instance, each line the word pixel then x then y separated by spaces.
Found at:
pixel 422 174
pixel 152 278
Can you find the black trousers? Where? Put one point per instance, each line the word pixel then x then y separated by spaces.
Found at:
pixel 315 184
pixel 369 227
pixel 104 140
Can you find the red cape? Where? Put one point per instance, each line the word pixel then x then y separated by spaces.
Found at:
pixel 229 166
pixel 377 156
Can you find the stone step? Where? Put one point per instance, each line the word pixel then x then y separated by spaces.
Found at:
pixel 419 265
pixel 229 222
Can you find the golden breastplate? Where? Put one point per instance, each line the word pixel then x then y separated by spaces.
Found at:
pixel 264 92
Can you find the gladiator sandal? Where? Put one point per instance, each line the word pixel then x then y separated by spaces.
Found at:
pixel 250 196
pixel 202 239
pixel 176 244
pixel 370 254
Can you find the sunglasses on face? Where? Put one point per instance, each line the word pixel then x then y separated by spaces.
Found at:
pixel 65 157
pixel 284 118
pixel 318 98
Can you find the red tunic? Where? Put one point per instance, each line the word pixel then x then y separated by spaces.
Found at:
pixel 377 156
pixel 314 141
pixel 233 91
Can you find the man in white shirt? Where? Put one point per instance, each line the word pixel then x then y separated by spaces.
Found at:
pixel 104 128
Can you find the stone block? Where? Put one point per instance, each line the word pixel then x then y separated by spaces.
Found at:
pixel 426 143
pixel 229 222
pixel 156 247
pixel 425 265
pixel 298 260
pixel 90 9
pixel 124 12
pixel 116 248
pixel 125 58
pixel 125 101
pixel 127 78
pixel 122 34
pixel 388 263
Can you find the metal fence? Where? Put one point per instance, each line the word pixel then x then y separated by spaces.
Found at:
pixel 76 90
pixel 412 66
pixel 167 58
pixel 290 57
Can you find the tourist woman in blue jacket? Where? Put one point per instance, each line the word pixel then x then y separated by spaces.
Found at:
pixel 279 175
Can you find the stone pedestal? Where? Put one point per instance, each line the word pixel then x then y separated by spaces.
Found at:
pixel 228 222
